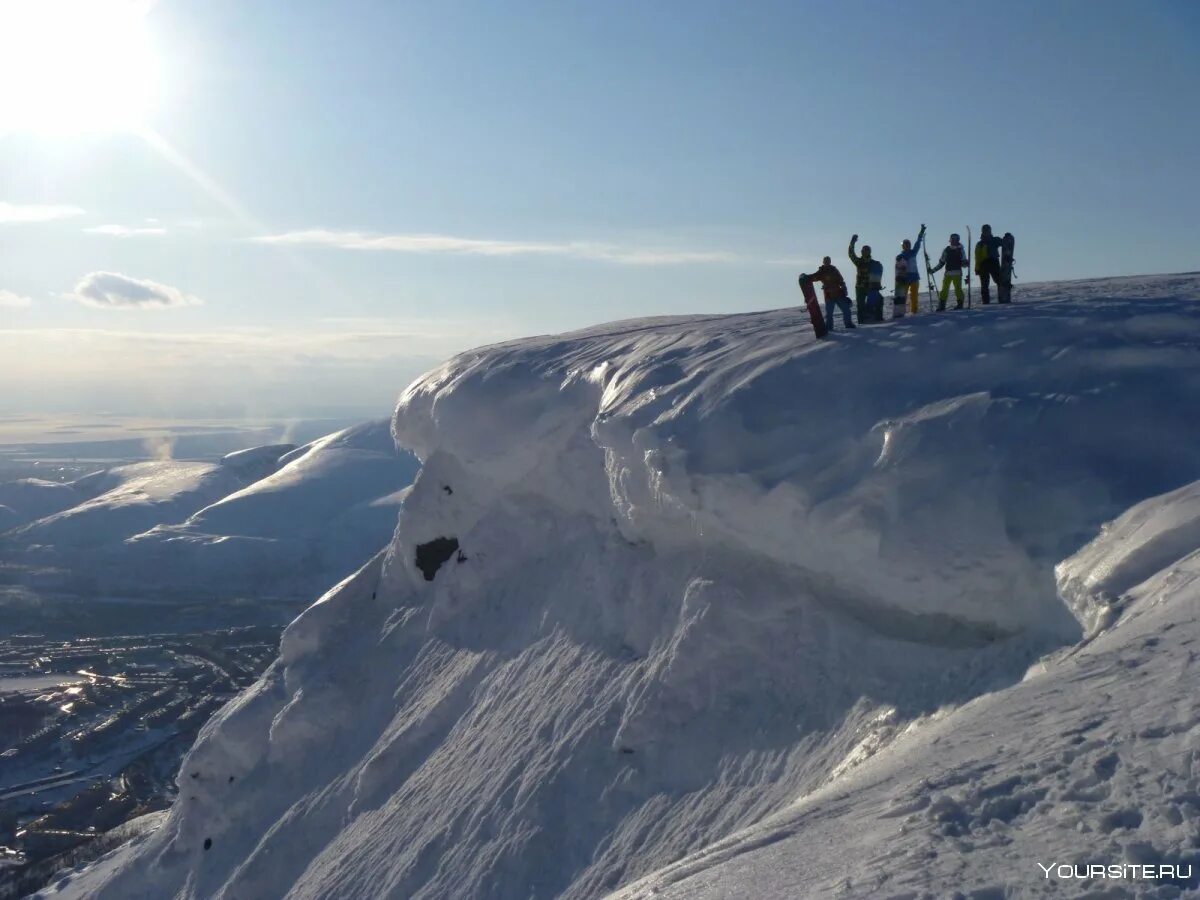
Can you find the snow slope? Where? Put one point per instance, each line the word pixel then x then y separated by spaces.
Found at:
pixel 274 518
pixel 664 581
pixel 329 506
pixel 126 500
pixel 33 498
pixel 1093 760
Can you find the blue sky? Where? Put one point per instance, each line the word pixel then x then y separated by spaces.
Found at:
pixel 322 199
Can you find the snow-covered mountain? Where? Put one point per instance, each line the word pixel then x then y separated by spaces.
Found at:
pixel 120 502
pixel 276 517
pixel 707 603
pixel 27 499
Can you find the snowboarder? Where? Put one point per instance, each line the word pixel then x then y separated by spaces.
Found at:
pixel 954 260
pixel 836 294
pixel 987 262
pixel 867 284
pixel 908 275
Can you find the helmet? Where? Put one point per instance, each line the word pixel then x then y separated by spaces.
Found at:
pixel 987 229
pixel 827 261
pixel 906 244
pixel 954 238
pixel 866 250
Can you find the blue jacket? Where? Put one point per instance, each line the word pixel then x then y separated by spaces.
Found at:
pixel 913 272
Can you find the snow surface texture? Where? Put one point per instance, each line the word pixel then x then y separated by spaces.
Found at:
pixel 277 518
pixel 717 585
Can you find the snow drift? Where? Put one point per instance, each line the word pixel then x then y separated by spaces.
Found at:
pixel 1089 763
pixel 678 574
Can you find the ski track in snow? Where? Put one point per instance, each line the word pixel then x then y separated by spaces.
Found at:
pixel 742 614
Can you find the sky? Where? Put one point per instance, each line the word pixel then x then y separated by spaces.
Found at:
pixel 214 207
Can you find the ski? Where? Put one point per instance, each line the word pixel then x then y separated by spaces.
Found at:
pixel 929 275
pixel 969 252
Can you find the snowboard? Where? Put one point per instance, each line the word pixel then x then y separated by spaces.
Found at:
pixel 1004 288
pixel 901 294
pixel 814 310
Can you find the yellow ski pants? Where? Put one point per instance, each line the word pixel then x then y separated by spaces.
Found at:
pixel 951 279
pixel 914 289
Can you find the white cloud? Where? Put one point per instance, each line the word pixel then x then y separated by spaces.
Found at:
pixel 110 290
pixel 125 230
pixel 35 212
pixel 11 300
pixel 442 243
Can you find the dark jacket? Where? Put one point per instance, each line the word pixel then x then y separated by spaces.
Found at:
pixel 832 282
pixel 954 258
pixel 987 251
pixel 870 272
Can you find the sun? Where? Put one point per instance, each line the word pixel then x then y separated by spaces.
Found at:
pixel 76 66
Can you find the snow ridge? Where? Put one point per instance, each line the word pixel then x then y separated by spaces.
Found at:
pixel 704 567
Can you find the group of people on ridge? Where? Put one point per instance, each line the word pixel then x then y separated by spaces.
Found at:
pixel 868 282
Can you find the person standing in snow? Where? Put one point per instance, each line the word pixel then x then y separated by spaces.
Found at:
pixel 908 275
pixel 954 260
pixel 867 283
pixel 987 261
pixel 834 286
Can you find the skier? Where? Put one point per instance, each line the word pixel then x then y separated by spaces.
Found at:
pixel 908 275
pixel 834 286
pixel 987 262
pixel 867 284
pixel 954 259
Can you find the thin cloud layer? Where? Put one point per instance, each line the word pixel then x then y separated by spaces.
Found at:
pixel 13 213
pixel 260 371
pixel 443 243
pixel 124 231
pixel 14 301
pixel 111 290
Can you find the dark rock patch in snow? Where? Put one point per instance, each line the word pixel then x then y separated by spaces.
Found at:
pixel 432 554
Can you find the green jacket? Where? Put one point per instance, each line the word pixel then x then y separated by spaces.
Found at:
pixel 863 269
pixel 870 271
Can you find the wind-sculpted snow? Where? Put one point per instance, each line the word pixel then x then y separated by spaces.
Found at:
pixel 1148 539
pixel 678 575
pixel 1090 763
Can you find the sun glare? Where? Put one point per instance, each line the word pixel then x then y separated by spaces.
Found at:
pixel 75 66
